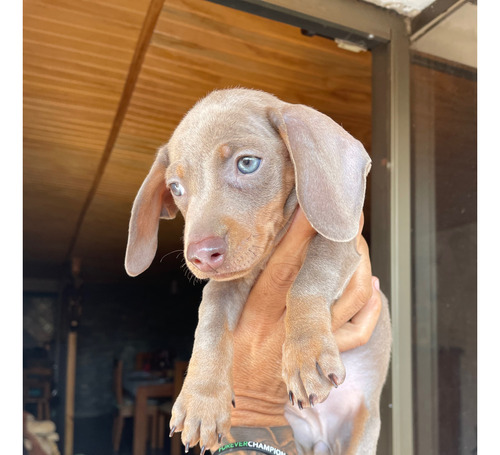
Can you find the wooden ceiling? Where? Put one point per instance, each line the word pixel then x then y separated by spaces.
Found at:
pixel 106 82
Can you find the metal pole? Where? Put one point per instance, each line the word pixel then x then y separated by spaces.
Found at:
pixel 401 283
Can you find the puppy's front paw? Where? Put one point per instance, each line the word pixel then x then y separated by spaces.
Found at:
pixel 311 367
pixel 203 413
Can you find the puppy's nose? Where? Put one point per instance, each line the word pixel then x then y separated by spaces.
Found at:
pixel 208 254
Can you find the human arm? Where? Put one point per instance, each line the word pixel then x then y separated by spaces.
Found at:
pixel 259 390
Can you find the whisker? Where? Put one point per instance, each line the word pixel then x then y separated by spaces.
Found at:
pixel 192 278
pixel 172 252
pixel 188 274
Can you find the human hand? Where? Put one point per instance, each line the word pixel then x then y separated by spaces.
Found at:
pixel 258 338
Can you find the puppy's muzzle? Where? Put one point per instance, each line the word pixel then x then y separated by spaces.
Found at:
pixel 208 254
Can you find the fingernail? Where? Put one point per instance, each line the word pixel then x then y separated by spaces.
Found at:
pixel 187 448
pixel 172 431
pixel 299 403
pixel 290 397
pixel 203 450
pixel 376 283
pixel 313 399
pixel 219 438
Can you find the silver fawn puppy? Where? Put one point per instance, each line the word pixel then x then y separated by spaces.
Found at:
pixel 236 167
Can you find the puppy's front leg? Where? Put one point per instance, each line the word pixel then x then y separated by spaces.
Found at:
pixel 311 359
pixel 203 409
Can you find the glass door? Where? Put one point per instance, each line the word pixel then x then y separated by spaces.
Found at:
pixel 443 89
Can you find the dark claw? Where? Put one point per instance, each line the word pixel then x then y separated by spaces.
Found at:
pixel 186 450
pixel 313 399
pixel 299 403
pixel 203 450
pixel 290 397
pixel 233 403
pixel 334 380
pixel 219 438
pixel 172 431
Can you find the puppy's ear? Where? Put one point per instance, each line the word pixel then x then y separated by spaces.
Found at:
pixel 153 201
pixel 330 169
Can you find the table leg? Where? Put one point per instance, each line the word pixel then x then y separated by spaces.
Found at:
pixel 140 421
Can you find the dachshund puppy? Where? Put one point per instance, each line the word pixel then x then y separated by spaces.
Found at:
pixel 236 167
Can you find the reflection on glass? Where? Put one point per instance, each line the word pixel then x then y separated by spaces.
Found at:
pixel 444 224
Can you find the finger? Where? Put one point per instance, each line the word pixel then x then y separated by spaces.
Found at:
pixel 360 229
pixel 293 245
pixel 358 291
pixel 287 260
pixel 358 331
pixel 283 266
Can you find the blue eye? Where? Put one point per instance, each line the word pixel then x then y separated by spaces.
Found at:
pixel 177 189
pixel 248 164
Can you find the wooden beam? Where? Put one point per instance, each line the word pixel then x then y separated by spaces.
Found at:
pixel 141 48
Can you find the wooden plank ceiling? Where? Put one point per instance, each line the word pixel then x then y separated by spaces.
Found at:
pixel 100 97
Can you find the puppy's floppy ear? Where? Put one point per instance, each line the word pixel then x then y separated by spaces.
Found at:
pixel 153 201
pixel 330 169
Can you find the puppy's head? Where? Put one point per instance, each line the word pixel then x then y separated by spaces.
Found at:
pixel 233 168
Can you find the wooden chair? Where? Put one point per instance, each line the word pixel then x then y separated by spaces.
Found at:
pixel 125 409
pixel 37 389
pixel 180 369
